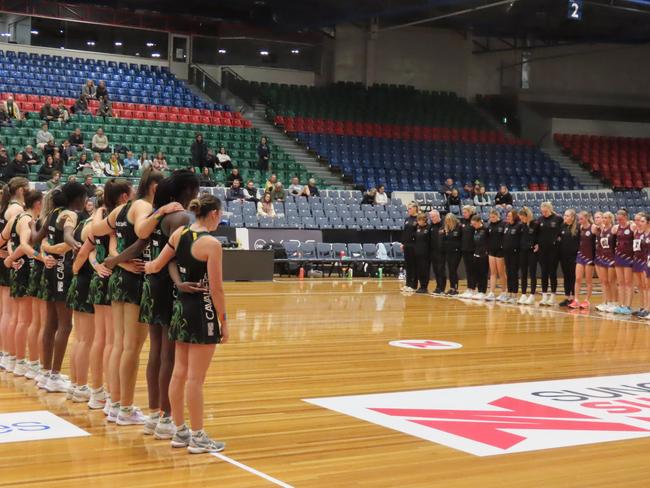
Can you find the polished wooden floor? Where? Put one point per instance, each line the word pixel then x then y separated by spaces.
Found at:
pixel 293 340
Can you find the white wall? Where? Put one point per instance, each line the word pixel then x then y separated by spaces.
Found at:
pixel 270 75
pixel 600 127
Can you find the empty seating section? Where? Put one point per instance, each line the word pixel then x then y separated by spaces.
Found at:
pixel 323 253
pixel 423 165
pixel 622 162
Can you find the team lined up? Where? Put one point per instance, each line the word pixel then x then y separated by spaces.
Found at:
pixel 60 270
pixel 506 251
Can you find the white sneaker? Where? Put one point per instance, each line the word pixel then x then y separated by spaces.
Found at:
pixel 150 423
pixel 543 302
pixel 81 394
pixel 200 443
pixel 21 367
pixel 97 399
pixel 479 296
pixel 42 379
pixel 56 384
pixel 130 416
pixel 165 429
pixel 490 297
pixel 2 360
pixel 107 406
pixel 466 294
pixel 502 298
pixel 602 307
pixel 70 392
pixel 113 412
pixel 611 307
pixel 511 300
pixel 522 299
pixel 408 289
pixel 10 364
pixel 33 369
pixel 530 300
pixel 551 300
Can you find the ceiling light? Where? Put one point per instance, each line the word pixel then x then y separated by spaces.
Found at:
pixel 264 53
pixel 155 55
pixel 150 44
pixel 90 43
pixel 137 54
pixel 118 44
pixel 5 34
pixel 34 32
pixel 222 51
pixel 295 51
pixel 60 31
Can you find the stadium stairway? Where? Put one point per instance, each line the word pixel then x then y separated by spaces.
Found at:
pixel 258 118
pixel 581 175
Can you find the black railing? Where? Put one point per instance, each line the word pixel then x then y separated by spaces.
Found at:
pixel 234 83
pixel 205 83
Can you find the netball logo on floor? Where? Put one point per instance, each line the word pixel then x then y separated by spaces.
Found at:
pixel 426 344
pixel 520 417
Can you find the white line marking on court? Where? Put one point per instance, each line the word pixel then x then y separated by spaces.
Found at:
pixel 252 470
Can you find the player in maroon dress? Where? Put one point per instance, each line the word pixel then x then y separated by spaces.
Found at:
pixel 584 260
pixel 624 260
pixel 605 243
pixel 640 261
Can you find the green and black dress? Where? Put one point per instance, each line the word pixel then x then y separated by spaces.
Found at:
pixel 5 273
pixel 99 294
pixel 194 320
pixel 158 289
pixel 20 277
pixel 36 271
pixel 124 286
pixel 56 280
pixel 79 291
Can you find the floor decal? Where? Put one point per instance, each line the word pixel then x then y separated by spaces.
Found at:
pixel 35 426
pixel 425 344
pixel 508 418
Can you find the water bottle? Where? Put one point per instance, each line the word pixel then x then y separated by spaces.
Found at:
pixel 401 275
pixel 350 273
pixel 301 273
pixel 380 273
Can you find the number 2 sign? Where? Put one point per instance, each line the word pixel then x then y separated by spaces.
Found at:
pixel 575 9
pixel 34 426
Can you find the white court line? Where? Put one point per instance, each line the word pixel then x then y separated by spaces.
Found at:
pixel 252 470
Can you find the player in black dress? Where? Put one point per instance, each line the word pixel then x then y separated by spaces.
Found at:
pixel 199 319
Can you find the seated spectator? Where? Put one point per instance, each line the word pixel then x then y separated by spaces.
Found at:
pixel 211 161
pixel 100 142
pixel 131 164
pixel 482 199
pixel 30 157
pixel 468 191
pixel 447 187
pixel 503 197
pixel 101 92
pixel 88 210
pixel 206 179
pixel 91 188
pixel 43 136
pixel 63 113
pixel 48 113
pixel 77 140
pixel 199 151
pixel 369 197
pixel 265 206
pixel 89 90
pixel 4 163
pixel 98 165
pixel 270 183
pixel 57 160
pixel 81 106
pixel 50 148
pixel 295 188
pixel 105 108
pixel 84 166
pixel 66 151
pixel 235 192
pixel 114 167
pixel 5 119
pixel 17 167
pixel 145 162
pixel 54 181
pixel 311 190
pixel 72 179
pixel 381 198
pixel 250 192
pixel 454 198
pixel 277 194
pixel 159 162
pixel 234 176
pixel 224 159
pixel 47 169
pixel 12 109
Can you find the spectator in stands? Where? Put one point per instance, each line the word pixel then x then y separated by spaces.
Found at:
pixel 48 113
pixel 211 161
pixel 54 181
pixel 17 167
pixel 5 119
pixel 50 148
pixel 264 155
pixel 114 167
pixel 159 162
pixel 43 136
pixel 12 109
pixel 453 199
pixel 206 179
pixel 311 190
pixel 47 169
pixel 57 161
pixel 234 176
pixel 72 179
pixel 369 197
pixel 295 188
pixel 30 157
pixel 105 108
pixel 224 159
pixel 265 206
pixel 83 165
pixel 235 192
pixel 199 151
pixel 88 210
pixel 91 188
pixel 100 142
pixel 101 92
pixel 66 151
pixel 4 163
pixel 447 187
pixel 131 164
pixel 77 140
pixel 503 197
pixel 468 191
pixel 145 162
pixel 81 106
pixel 278 193
pixel 63 113
pixel 98 165
pixel 270 183
pixel 381 198
pixel 482 199
pixel 89 90
pixel 250 192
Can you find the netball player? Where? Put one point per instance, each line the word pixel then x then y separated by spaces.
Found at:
pixel 550 226
pixel 422 247
pixel 408 245
pixel 495 252
pixel 640 261
pixel 568 247
pixel 605 260
pixel 584 260
pixel 436 254
pixel 511 249
pixel 198 322
pixel 451 244
pixel 467 250
pixel 11 205
pixel 480 263
pixel 623 261
pixel 157 300
pixel 528 255
pixel 61 244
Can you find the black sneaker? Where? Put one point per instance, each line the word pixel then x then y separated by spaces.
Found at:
pixel 437 291
pixel 565 302
pixel 422 291
pixel 452 292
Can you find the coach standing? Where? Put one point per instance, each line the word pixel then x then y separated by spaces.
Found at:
pixel 408 244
